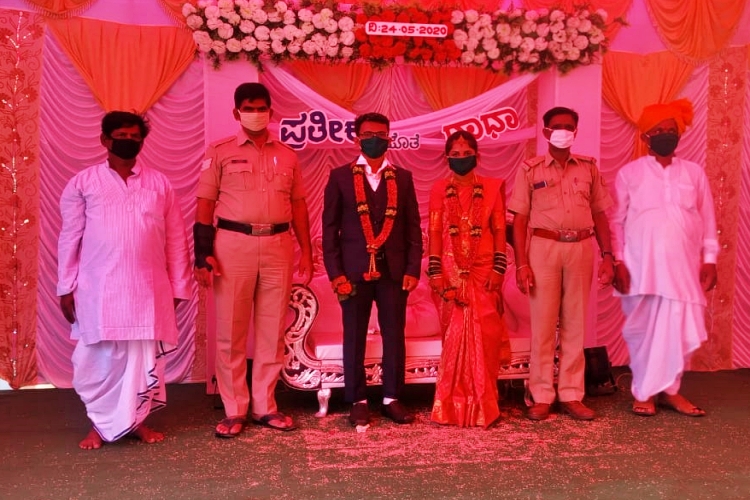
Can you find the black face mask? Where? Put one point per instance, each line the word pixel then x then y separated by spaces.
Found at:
pixel 127 149
pixel 462 166
pixel 664 144
pixel 374 147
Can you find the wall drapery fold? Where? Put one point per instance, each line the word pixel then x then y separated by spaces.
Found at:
pixel 70 125
pixel 342 84
pixel 60 8
pixel 632 81
pixel 127 67
pixel 445 86
pixel 696 29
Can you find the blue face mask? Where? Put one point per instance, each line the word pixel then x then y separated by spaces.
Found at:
pixel 462 166
pixel 374 147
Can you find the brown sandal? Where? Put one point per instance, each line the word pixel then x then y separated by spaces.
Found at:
pixel 230 422
pixel 644 410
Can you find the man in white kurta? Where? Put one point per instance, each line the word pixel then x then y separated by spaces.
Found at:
pixel 123 264
pixel 666 242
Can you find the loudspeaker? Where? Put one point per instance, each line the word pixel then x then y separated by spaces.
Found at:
pixel 598 373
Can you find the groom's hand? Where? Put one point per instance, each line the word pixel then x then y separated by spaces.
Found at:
pixel 410 283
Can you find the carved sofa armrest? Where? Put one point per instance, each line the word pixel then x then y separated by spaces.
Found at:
pixel 303 370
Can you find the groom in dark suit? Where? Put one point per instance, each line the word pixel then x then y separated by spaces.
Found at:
pixel 372 249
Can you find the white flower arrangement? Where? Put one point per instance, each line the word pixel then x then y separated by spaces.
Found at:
pixel 508 41
pixel 533 40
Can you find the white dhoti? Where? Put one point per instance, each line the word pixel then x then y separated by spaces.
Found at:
pixel 661 334
pixel 120 382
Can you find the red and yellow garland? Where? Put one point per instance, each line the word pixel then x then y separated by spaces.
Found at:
pixel 463 259
pixel 363 209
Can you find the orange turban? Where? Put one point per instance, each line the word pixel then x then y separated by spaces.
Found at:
pixel 680 110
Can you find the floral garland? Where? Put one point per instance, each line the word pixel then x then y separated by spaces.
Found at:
pixel 509 41
pixel 363 209
pixel 463 259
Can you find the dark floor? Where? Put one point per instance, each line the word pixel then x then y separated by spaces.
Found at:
pixel 619 455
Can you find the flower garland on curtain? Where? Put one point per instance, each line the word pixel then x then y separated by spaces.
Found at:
pixel 508 41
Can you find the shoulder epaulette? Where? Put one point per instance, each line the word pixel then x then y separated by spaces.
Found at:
pixel 533 162
pixel 589 159
pixel 223 140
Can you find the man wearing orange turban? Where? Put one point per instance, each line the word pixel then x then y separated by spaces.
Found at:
pixel 665 243
pixel 681 111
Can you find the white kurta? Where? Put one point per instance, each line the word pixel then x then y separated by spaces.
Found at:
pixel 664 228
pixel 123 254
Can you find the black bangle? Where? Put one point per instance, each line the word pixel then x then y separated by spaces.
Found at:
pixel 203 237
pixel 499 262
pixel 434 266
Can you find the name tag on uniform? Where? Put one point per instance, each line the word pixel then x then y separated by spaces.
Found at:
pixel 540 185
pixel 238 160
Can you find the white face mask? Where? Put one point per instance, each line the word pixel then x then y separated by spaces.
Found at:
pixel 561 138
pixel 255 122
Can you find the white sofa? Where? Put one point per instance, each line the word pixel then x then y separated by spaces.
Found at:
pixel 313 358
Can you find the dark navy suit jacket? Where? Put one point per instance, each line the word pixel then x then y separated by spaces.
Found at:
pixel 344 246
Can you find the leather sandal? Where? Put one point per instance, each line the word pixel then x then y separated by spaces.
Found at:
pixel 229 423
pixel 644 408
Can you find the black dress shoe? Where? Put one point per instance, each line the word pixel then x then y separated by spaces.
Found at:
pixel 396 412
pixel 359 415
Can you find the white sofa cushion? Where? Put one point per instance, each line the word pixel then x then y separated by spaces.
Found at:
pixel 327 346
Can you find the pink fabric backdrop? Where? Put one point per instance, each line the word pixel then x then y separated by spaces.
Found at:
pixel 178 140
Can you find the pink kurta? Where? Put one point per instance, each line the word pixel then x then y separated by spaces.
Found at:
pixel 123 254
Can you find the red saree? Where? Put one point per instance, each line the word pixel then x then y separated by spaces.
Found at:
pixel 475 340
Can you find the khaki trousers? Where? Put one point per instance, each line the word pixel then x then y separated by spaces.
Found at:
pixel 256 280
pixel 562 272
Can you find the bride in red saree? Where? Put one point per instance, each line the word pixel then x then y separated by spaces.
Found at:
pixel 466 266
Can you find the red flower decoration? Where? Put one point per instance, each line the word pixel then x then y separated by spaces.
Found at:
pixel 360 35
pixel 345 290
pixel 365 50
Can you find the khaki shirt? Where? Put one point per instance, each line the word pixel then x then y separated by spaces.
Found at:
pixel 250 184
pixel 556 197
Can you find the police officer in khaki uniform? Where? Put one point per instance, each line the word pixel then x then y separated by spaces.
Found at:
pixel 251 185
pixel 559 199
